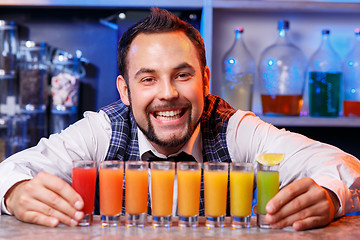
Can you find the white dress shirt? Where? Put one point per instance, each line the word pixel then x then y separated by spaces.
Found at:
pixel 247 135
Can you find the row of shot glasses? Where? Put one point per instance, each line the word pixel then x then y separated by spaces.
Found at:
pixel 162 176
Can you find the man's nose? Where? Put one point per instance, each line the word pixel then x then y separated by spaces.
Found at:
pixel 168 90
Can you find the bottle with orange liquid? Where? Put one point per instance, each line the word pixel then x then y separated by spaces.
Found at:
pixel 282 71
pixel 351 74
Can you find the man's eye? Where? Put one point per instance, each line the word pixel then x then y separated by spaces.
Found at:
pixel 147 80
pixel 184 76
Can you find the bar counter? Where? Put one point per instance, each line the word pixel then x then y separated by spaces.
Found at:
pixel 11 228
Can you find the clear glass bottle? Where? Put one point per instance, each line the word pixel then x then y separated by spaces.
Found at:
pixel 325 77
pixel 238 69
pixel 282 71
pixel 351 74
pixel 65 81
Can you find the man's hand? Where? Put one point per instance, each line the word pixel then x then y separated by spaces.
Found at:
pixel 303 205
pixel 45 200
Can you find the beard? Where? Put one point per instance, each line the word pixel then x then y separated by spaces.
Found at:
pixel 174 141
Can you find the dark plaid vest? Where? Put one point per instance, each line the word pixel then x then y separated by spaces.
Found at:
pixel 214 120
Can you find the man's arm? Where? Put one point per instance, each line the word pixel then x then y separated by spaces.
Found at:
pixel 305 159
pixel 35 183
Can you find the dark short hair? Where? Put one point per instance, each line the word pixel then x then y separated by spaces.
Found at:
pixel 159 21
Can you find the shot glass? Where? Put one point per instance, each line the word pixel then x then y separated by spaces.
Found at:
pixel 241 193
pixel 162 188
pixel 111 175
pixel 83 181
pixel 136 193
pixel 189 182
pixel 215 190
pixel 267 188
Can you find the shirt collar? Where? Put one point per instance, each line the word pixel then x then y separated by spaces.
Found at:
pixel 192 147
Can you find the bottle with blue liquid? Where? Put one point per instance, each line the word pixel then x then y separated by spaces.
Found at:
pixel 351 71
pixel 282 71
pixel 238 69
pixel 325 77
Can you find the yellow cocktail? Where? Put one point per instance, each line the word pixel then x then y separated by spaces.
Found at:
pixel 241 193
pixel 189 182
pixel 215 187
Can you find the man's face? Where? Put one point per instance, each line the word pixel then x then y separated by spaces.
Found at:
pixel 165 88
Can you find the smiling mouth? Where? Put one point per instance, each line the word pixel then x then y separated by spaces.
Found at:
pixel 169 115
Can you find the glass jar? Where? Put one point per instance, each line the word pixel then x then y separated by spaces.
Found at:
pixel 238 69
pixel 325 77
pixel 282 69
pixel 351 71
pixel 34 75
pixel 8 66
pixel 65 82
pixel 8 47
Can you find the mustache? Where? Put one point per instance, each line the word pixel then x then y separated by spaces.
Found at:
pixel 171 105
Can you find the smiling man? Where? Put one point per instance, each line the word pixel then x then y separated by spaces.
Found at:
pixel 166 88
pixel 166 109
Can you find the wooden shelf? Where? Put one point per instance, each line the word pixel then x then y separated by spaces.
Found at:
pixel 306 121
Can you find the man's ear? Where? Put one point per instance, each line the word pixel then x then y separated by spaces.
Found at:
pixel 123 90
pixel 206 80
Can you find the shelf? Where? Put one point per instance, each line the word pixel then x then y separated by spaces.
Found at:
pixel 306 121
pixel 288 5
pixel 105 3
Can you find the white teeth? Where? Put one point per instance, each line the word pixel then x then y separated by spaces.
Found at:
pixel 168 115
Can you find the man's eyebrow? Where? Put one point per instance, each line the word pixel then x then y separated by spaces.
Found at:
pixel 184 65
pixel 144 70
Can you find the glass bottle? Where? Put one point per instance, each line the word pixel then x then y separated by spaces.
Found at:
pixel 351 74
pixel 325 80
pixel 238 69
pixel 282 71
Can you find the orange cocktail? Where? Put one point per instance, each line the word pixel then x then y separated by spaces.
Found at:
pixel 189 182
pixel 111 174
pixel 162 188
pixel 215 187
pixel 241 193
pixel 136 192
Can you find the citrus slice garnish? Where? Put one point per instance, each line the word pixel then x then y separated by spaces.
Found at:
pixel 269 159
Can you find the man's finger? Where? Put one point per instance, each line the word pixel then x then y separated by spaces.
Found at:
pixel 285 195
pixel 62 188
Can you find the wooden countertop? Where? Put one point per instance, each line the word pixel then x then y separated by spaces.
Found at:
pixel 10 228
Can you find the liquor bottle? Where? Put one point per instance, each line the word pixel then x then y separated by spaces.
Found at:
pixel 324 80
pixel 238 69
pixel 282 71
pixel 351 72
